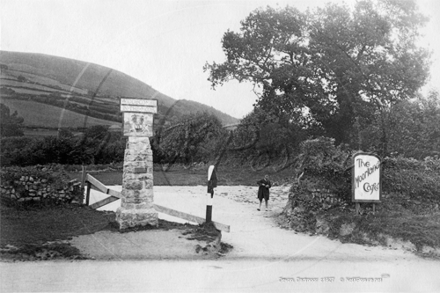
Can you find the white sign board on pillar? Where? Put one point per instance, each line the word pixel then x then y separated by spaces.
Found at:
pixel 139 102
pixel 138 116
pixel 366 178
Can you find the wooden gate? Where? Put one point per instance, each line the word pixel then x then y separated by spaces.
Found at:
pixel 115 195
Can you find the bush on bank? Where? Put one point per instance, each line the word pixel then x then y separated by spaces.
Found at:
pixel 320 198
pixel 28 151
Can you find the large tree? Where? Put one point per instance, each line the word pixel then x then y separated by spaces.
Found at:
pixel 328 66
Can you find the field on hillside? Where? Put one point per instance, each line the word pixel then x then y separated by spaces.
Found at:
pixel 29 91
pixel 18 85
pixel 39 132
pixel 53 116
pixel 42 80
pixel 58 75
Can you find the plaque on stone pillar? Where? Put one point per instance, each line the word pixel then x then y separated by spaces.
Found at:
pixel 138 124
pixel 137 204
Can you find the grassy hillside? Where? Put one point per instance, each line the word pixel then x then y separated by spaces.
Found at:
pixel 53 80
pixel 80 74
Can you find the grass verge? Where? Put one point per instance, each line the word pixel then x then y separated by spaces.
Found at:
pixel 397 223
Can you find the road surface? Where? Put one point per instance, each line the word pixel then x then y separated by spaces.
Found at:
pixel 265 258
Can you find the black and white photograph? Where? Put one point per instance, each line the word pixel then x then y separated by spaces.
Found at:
pixel 219 146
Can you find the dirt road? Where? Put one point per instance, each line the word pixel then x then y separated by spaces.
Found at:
pixel 264 258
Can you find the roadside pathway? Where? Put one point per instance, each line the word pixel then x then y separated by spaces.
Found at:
pixel 255 234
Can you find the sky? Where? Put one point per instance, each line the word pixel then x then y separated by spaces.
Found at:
pixel 162 43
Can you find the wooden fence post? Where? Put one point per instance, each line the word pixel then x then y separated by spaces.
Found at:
pixel 89 185
pixel 212 183
pixel 83 180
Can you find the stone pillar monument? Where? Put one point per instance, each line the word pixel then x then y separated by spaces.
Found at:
pixel 137 182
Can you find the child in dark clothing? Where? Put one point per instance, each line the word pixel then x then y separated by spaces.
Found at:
pixel 263 191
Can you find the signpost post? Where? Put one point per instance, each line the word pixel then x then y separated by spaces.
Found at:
pixel 212 183
pixel 137 205
pixel 366 180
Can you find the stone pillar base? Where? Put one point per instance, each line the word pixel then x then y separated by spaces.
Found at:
pixel 128 218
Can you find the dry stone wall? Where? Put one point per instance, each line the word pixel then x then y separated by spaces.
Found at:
pixel 38 184
pixel 326 197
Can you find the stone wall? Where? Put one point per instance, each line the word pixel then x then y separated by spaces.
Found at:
pixel 305 202
pixel 38 184
pixel 326 197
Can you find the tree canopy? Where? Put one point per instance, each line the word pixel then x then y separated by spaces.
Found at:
pixel 327 66
pixel 413 128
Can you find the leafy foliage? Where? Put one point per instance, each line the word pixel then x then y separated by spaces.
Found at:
pixel 418 180
pixel 263 140
pixel 408 210
pixel 322 165
pixel 192 138
pixel 325 67
pixel 97 145
pixel 412 129
pixel 10 125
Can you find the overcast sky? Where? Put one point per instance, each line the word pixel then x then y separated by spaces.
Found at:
pixel 162 43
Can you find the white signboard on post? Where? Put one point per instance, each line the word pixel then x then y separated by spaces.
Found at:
pixel 137 105
pixel 138 102
pixel 138 116
pixel 366 178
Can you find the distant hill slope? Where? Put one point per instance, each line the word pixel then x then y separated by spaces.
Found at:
pixel 80 86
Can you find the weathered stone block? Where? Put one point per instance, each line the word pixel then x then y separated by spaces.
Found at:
pixel 127 206
pixel 136 217
pixel 132 165
pixel 148 184
pixel 143 206
pixel 134 185
pixel 136 157
pixel 140 170
pixel 126 177
pixel 130 193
